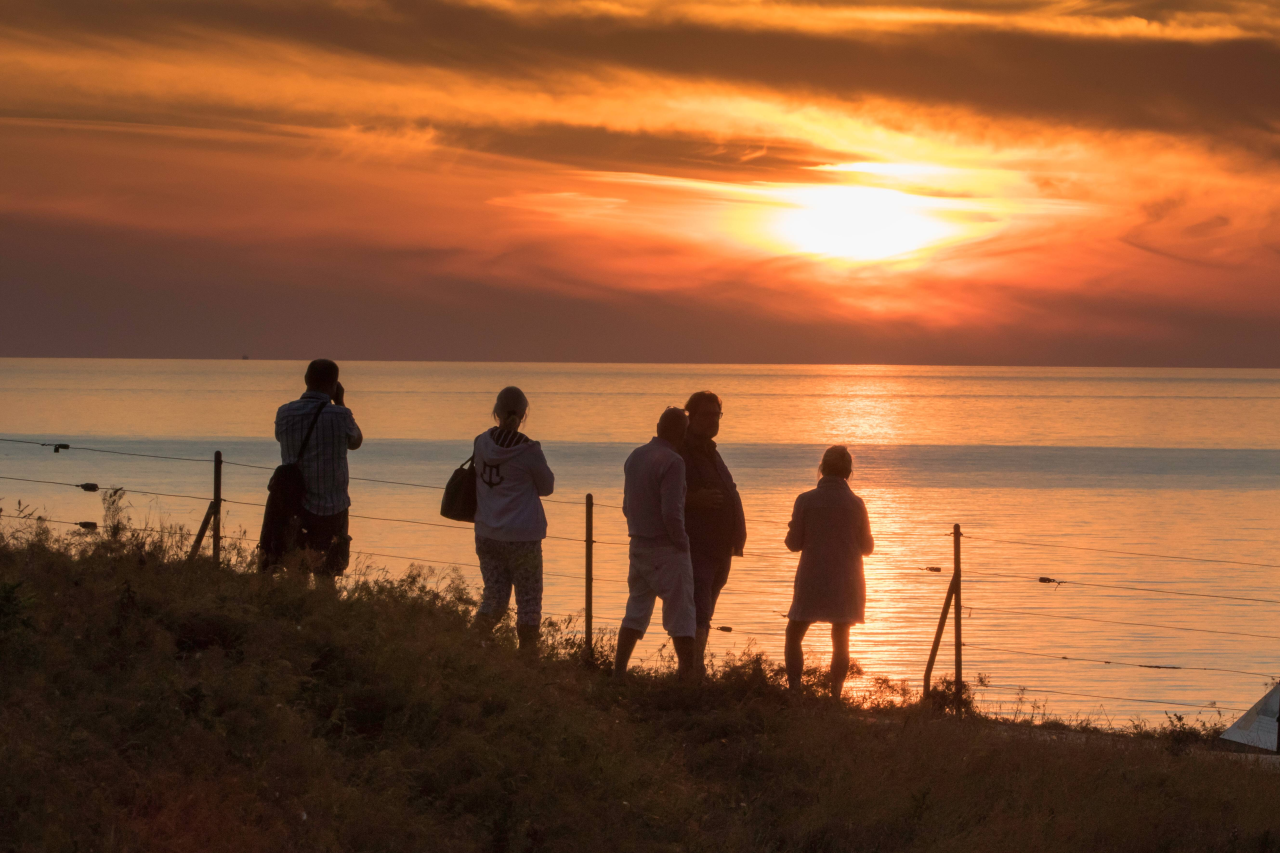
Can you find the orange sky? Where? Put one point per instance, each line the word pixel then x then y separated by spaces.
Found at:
pixel 987 181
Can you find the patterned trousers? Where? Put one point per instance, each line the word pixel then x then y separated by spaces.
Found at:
pixel 504 565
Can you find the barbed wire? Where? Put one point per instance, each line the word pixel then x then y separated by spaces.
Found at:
pixel 93 526
pixel 226 461
pixel 84 525
pixel 1152 590
pixel 757 520
pixel 1213 706
pixel 1119 622
pixel 55 483
pixel 1122 553
pixel 445 526
pixel 753 554
pixel 66 446
pixel 94 487
pixel 91 487
pixel 1118 662
pixel 59 446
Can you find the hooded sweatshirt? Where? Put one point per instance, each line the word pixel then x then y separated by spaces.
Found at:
pixel 511 476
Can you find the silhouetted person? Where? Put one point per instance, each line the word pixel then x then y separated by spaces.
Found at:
pixel 512 477
pixel 653 502
pixel 713 515
pixel 324 521
pixel 831 530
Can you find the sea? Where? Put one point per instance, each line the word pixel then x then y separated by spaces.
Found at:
pixel 1119 526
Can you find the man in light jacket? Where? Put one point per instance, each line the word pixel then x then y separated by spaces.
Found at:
pixel 653 502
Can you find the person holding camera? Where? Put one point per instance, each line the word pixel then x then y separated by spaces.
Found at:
pixel 315 432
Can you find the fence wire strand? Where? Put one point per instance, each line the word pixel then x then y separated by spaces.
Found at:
pixel 59 445
pixel 1209 706
pixel 980 573
pixel 1122 553
pixel 1120 662
pixel 1152 590
pixel 1119 622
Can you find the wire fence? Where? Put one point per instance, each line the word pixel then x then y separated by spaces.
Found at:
pixel 982 574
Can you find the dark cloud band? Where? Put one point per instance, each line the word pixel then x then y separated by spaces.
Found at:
pixel 1228 88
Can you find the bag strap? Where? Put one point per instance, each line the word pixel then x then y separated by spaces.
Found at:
pixel 306 438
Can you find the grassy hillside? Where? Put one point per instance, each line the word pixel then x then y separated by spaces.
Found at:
pixel 150 704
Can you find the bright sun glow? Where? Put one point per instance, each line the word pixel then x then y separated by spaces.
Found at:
pixel 859 223
pixel 893 170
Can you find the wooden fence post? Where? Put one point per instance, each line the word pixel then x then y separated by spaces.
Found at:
pixel 204 527
pixel 937 637
pixel 953 592
pixel 590 537
pixel 217 507
pixel 956 579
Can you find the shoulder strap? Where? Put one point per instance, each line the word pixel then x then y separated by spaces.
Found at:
pixel 306 438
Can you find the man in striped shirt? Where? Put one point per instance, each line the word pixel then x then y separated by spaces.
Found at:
pixel 323 462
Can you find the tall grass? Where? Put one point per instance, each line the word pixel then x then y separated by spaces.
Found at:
pixel 151 703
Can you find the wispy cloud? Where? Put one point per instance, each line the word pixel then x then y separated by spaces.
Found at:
pixel 1013 180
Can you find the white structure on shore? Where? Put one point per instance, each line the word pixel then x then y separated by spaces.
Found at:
pixel 1258 725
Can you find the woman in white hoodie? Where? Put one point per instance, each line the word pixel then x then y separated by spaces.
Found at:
pixel 511 478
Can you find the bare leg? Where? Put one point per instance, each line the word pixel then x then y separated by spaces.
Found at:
pixel 839 657
pixel 627 639
pixel 685 648
pixel 794 653
pixel 700 652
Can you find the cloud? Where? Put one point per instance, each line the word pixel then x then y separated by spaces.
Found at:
pixel 674 153
pixel 115 294
pixel 653 181
pixel 1224 87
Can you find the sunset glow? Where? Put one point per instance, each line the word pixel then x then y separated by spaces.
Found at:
pixel 859 223
pixel 733 165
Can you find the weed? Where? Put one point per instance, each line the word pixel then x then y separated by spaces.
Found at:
pixel 160 703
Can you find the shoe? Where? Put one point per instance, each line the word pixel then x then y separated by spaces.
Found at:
pixel 529 636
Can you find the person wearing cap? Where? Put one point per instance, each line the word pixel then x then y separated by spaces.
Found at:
pixel 512 477
pixel 653 502
pixel 832 531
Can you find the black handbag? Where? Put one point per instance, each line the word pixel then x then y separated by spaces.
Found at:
pixel 285 493
pixel 459 501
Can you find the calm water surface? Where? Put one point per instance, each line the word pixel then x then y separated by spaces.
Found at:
pixel 1176 462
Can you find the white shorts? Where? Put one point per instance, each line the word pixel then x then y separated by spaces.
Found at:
pixel 660 571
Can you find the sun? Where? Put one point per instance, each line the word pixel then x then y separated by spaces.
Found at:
pixel 858 223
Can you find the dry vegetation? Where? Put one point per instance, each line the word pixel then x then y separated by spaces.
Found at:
pixel 151 704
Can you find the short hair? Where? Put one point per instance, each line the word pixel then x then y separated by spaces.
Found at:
pixel 674 418
pixel 837 462
pixel 700 397
pixel 511 406
pixel 321 373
